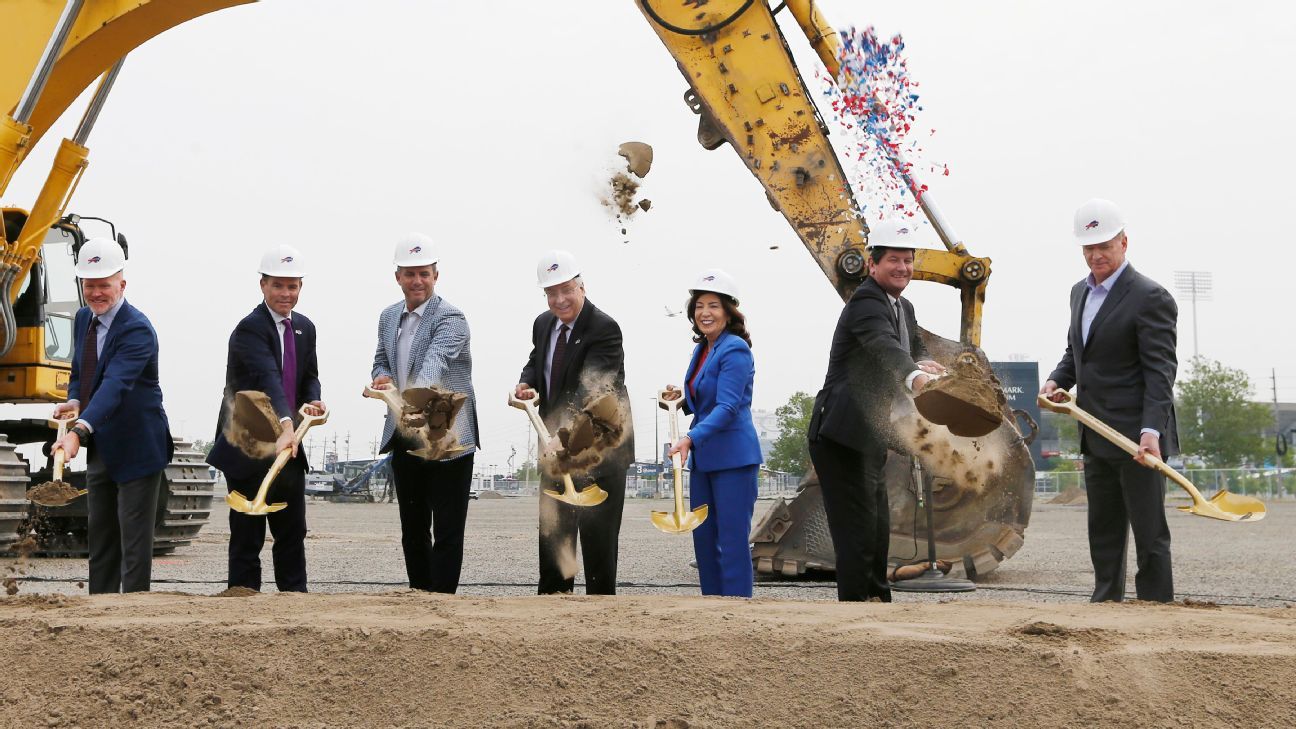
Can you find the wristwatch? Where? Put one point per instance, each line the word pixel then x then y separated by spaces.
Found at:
pixel 81 432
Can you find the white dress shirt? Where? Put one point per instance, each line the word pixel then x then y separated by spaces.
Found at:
pixel 409 323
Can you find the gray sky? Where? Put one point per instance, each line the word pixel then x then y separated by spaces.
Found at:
pixel 335 126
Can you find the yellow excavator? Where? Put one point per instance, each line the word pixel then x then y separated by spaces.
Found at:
pixel 743 84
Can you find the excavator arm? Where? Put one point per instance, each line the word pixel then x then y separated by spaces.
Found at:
pixel 745 87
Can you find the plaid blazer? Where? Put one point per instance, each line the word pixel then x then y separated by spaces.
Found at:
pixel 439 355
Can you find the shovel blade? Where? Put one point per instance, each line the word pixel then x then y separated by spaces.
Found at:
pixel 56 504
pixel 591 496
pixel 238 502
pixel 1227 506
pixel 679 522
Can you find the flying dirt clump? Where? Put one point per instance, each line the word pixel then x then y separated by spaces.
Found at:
pixel 623 186
pixel 253 427
pixel 428 416
pixel 598 427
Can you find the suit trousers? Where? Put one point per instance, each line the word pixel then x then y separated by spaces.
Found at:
pixel 1124 495
pixel 433 498
pixel 287 526
pixel 599 528
pixel 859 519
pixel 120 526
pixel 722 543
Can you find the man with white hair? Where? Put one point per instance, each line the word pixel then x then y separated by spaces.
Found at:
pixel 1121 357
pixel 576 347
pixel 118 401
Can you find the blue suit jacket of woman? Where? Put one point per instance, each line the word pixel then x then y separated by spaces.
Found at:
pixel 723 434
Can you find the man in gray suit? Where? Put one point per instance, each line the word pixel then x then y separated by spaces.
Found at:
pixel 1121 356
pixel 423 341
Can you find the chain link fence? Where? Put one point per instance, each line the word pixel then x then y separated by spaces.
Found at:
pixel 1264 483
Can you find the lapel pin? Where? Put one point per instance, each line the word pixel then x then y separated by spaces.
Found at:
pixel 297 331
pixel 576 342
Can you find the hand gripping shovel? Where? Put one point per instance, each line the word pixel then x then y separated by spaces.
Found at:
pixel 56 492
pixel 592 495
pixel 679 521
pixel 258 506
pixel 1223 505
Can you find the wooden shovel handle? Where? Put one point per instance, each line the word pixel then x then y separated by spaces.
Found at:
pixel 531 408
pixel 1068 407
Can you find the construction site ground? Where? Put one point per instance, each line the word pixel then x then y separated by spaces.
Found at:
pixel 1026 649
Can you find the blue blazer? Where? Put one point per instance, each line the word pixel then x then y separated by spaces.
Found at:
pixel 131 434
pixel 255 363
pixel 722 433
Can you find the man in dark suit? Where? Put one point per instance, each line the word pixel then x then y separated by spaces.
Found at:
pixel 575 349
pixel 114 383
pixel 272 350
pixel 1121 356
pixel 876 350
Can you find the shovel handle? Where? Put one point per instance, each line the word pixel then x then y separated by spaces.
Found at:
pixel 386 394
pixel 672 410
pixel 308 421
pixel 1068 407
pixel 60 456
pixel 531 408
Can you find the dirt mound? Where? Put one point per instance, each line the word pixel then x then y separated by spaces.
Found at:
pixel 1071 496
pixel 337 660
pixel 490 495
pixel 237 592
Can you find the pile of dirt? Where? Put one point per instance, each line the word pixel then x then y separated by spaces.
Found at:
pixel 1071 496
pixel 488 495
pixel 53 493
pixel 574 661
pixel 237 592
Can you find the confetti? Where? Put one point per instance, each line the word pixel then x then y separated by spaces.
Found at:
pixel 874 104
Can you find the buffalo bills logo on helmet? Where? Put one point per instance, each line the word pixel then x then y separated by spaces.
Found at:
pixel 286 259
pixel 552 268
pixel 903 231
pixel 416 249
pixel 1092 224
pixel 96 259
pixel 709 278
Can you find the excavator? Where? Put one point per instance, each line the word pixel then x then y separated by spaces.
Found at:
pixel 743 84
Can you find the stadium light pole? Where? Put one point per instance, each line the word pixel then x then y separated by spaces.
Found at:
pixel 1197 286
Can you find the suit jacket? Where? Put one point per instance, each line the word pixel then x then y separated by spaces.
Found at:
pixel 593 355
pixel 866 368
pixel 131 433
pixel 1125 373
pixel 439 355
pixel 255 362
pixel 722 433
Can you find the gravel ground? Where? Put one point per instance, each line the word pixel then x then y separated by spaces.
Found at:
pixel 356 548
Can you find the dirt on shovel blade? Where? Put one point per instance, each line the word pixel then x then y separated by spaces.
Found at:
pixel 598 427
pixel 966 400
pixel 253 427
pixel 53 493
pixel 429 417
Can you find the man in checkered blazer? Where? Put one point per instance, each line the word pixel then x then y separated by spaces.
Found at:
pixel 423 341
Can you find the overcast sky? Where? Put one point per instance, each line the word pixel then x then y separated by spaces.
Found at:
pixel 493 126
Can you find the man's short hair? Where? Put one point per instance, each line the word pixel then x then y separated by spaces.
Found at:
pixel 433 265
pixel 877 252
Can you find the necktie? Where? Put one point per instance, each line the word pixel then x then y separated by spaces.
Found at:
pixel 555 364
pixel 290 364
pixel 89 362
pixel 404 341
pixel 902 326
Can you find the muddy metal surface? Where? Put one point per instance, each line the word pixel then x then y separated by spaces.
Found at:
pixel 356 548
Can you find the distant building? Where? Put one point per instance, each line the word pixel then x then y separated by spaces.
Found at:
pixel 767 430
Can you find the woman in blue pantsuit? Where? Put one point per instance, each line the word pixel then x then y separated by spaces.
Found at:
pixel 725 453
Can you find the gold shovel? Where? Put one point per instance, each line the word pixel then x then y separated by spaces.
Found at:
pixel 258 506
pixel 1223 505
pixel 592 495
pixel 679 521
pixel 56 492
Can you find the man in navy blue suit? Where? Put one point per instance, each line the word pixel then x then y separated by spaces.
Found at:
pixel 272 350
pixel 114 387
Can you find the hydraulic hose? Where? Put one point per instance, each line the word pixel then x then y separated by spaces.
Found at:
pixel 694 31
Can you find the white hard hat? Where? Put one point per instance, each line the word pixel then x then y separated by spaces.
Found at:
pixel 100 258
pixel 1097 221
pixel 717 282
pixel 556 267
pixel 894 233
pixel 415 249
pixel 282 260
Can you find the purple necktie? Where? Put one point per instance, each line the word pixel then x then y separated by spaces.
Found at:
pixel 290 364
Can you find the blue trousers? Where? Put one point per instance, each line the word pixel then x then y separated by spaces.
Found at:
pixel 722 543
